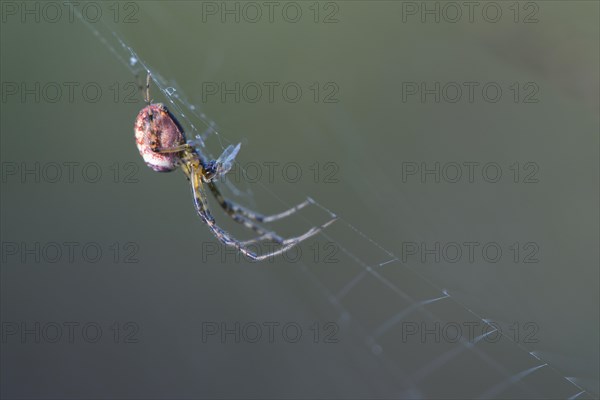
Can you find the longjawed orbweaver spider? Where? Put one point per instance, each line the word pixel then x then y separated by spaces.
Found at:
pixel 163 146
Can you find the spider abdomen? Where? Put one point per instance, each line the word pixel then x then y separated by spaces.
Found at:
pixel 156 128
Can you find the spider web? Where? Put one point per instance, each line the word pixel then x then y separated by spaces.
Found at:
pixel 509 368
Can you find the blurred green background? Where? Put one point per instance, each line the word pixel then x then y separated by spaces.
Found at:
pixel 371 134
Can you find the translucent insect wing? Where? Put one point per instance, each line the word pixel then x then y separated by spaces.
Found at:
pixel 225 161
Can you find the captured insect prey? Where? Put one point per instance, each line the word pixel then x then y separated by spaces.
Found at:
pixel 163 146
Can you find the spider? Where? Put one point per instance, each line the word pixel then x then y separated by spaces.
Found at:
pixel 163 146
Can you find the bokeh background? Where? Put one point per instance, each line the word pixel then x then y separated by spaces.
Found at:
pixel 154 312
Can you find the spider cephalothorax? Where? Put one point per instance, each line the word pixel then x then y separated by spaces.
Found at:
pixel 162 144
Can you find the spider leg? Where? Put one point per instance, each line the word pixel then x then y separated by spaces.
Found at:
pixel 265 234
pixel 220 234
pixel 260 239
pixel 294 240
pixel 174 149
pixel 147 94
pixel 244 218
pixel 226 238
pixel 232 208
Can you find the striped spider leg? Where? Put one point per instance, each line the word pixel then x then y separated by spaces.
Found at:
pixel 241 215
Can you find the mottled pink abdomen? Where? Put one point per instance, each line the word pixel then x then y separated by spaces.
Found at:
pixel 156 128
